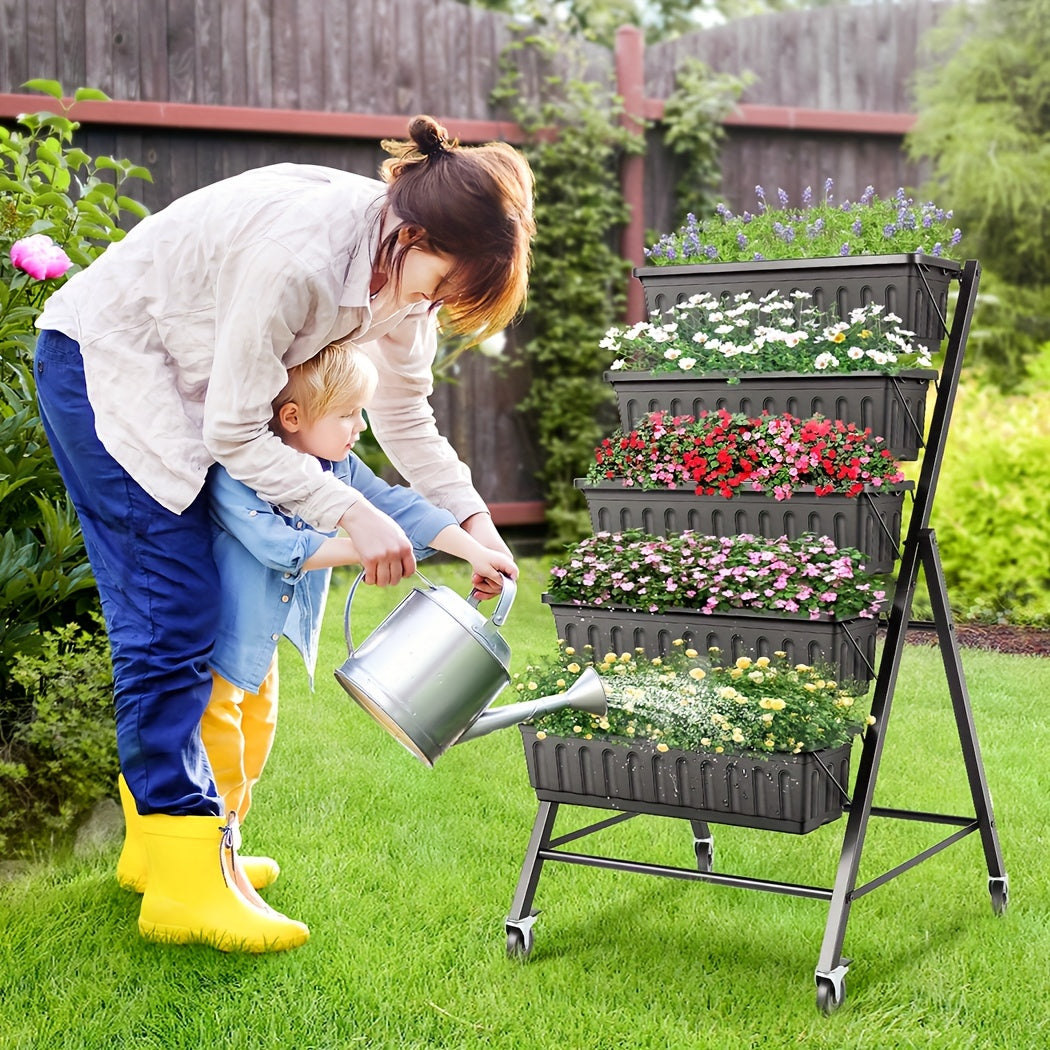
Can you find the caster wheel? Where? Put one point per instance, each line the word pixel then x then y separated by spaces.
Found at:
pixel 1000 897
pixel 828 998
pixel 519 942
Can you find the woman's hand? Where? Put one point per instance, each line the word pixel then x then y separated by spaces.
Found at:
pixel 384 549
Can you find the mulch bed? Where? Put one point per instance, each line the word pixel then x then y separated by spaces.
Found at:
pixel 1001 638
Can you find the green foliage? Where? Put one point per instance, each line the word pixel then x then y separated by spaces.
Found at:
pixel 51 187
pixel 990 512
pixel 578 279
pixel 983 106
pixel 60 757
pixel 694 132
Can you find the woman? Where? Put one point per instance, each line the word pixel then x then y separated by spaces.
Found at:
pixel 164 356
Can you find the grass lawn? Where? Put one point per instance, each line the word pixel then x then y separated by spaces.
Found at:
pixel 406 874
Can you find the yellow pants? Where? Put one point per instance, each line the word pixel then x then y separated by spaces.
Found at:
pixel 237 730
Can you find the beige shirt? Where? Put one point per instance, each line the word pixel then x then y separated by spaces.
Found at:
pixel 188 326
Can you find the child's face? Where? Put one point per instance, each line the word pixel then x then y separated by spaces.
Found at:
pixel 332 435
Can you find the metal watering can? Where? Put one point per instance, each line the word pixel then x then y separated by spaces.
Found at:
pixel 429 671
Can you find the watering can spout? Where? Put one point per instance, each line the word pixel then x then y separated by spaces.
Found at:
pixel 586 694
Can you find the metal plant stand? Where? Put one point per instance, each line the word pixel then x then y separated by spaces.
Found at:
pixel 919 550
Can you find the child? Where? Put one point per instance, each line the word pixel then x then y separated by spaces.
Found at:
pixel 275 569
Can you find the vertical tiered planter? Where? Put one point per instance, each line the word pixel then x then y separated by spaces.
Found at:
pixel 914 287
pixel 869 522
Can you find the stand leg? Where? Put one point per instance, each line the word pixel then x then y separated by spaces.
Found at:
pixel 521 918
pixel 953 669
pixel 703 845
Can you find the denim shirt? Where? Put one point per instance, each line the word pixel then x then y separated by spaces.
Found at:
pixel 260 550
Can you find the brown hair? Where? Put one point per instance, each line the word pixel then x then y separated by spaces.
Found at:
pixel 473 203
pixel 339 374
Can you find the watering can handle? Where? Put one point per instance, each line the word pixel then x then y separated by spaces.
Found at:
pixel 350 598
pixel 506 600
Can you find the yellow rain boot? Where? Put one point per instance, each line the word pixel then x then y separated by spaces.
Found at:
pixel 131 865
pixel 191 896
pixel 237 730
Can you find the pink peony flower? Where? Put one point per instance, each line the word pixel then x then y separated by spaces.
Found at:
pixel 39 257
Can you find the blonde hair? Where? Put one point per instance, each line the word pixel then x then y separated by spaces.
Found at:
pixel 339 374
pixel 473 203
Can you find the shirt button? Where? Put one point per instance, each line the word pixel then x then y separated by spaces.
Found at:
pixel 298 524
pixel 252 513
pixel 275 637
pixel 284 597
pixel 287 575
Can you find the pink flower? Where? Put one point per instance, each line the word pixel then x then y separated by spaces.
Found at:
pixel 39 257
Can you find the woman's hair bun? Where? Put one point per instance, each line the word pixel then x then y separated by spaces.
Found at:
pixel 429 136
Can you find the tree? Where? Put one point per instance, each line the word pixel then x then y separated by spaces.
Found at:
pixel 983 104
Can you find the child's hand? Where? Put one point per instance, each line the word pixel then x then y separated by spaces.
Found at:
pixel 490 567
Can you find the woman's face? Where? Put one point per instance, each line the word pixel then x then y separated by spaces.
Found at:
pixel 422 273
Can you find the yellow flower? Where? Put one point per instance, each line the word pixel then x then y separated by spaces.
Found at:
pixel 573 668
pixel 662 747
pixel 678 641
pixel 762 661
pixel 780 654
pixel 698 673
pixel 809 687
pixel 609 658
pixel 704 740
pixel 767 717
pixel 743 662
pixel 533 685
pixel 541 735
pixel 603 723
pixel 802 668
pixel 736 673
pixel 870 720
pixel 839 337
pixel 865 333
pixel 577 729
pixel 738 737
pixel 570 651
pixel 625 658
pixel 560 683
pixel 656 661
pixel 692 654
pixel 756 676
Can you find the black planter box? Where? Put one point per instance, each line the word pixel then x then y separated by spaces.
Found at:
pixel 891 407
pixel 869 522
pixel 778 792
pixel 847 646
pixel 914 287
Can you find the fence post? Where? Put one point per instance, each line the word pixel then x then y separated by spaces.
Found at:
pixel 630 86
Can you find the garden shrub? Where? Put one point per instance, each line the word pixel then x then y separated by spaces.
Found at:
pixel 990 510
pixel 60 756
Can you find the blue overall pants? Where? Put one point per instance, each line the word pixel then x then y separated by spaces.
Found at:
pixel 159 586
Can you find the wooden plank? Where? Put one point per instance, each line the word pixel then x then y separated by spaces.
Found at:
pixel 360 56
pixel 285 47
pixel 69 31
pixel 181 49
pixel 311 56
pixel 13 47
pixel 153 52
pixel 415 60
pixel 385 52
pixel 41 53
pixel 258 51
pixel 335 55
pixel 234 49
pixel 98 31
pixel 126 70
pixel 207 55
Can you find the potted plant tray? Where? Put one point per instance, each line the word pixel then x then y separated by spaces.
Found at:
pixel 869 522
pixel 847 645
pixel 891 407
pixel 913 286
pixel 775 792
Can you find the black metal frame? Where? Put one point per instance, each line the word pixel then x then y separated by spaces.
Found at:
pixel 919 550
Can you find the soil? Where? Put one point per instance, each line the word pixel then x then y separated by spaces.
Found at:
pixel 1002 638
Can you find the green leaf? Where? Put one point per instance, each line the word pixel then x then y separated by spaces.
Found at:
pixel 85 94
pixel 47 87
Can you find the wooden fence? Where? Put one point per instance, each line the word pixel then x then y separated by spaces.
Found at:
pixel 204 89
